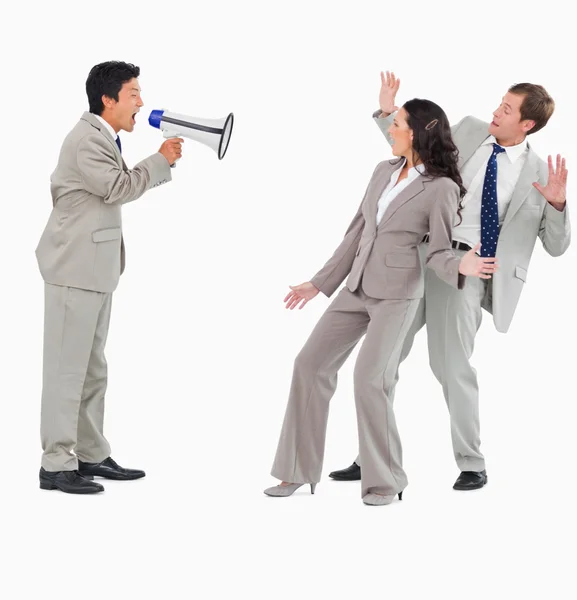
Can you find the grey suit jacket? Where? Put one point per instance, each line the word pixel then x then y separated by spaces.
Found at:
pixel 384 260
pixel 529 216
pixel 82 244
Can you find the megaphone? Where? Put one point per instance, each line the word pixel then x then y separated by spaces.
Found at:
pixel 214 133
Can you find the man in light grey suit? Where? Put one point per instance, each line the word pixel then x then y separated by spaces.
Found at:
pixel 530 203
pixel 81 257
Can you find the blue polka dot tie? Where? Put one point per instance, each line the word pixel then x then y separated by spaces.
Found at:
pixel 490 206
pixel 119 144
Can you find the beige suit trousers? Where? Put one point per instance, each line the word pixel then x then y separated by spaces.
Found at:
pixel 453 318
pixel 74 377
pixel 300 453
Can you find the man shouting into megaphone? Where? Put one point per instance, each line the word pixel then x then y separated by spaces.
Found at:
pixel 81 257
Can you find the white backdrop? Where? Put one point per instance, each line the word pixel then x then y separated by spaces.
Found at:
pixel 200 350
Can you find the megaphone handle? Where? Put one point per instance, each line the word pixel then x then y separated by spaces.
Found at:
pixel 168 135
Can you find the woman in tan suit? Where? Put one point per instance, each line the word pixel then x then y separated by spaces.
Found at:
pixel 407 198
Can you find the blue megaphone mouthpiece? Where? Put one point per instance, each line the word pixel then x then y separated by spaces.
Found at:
pixel 155 118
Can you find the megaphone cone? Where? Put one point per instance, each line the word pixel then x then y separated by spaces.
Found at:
pixel 214 133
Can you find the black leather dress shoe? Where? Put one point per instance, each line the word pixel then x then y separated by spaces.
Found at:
pixel 109 469
pixel 352 473
pixel 70 482
pixel 471 480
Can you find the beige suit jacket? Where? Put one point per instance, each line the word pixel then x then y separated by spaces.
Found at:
pixel 82 244
pixel 384 260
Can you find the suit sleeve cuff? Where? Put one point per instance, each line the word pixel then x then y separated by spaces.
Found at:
pixel 554 214
pixel 321 285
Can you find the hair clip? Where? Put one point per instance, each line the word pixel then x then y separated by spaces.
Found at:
pixel 431 124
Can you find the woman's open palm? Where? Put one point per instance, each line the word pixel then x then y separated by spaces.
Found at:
pixel 300 294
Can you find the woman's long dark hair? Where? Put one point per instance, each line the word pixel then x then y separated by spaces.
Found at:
pixel 433 142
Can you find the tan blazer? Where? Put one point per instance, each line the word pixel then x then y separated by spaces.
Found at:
pixel 82 244
pixel 384 260
pixel 529 216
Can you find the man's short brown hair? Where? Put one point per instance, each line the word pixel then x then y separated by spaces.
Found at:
pixel 537 105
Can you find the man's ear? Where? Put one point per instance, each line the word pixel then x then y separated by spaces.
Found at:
pixel 527 125
pixel 108 101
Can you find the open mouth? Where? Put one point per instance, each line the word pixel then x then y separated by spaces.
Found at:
pixel 134 117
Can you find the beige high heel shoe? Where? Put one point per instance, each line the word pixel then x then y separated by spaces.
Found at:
pixel 282 491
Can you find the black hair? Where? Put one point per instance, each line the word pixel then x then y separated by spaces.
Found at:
pixel 433 142
pixel 107 79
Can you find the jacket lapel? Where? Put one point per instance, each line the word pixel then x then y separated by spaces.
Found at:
pixel 528 175
pixel 413 189
pixel 377 187
pixel 87 116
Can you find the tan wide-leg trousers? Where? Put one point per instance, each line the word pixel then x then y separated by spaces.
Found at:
pixel 74 377
pixel 300 453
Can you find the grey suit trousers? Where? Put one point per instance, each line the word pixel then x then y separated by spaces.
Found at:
pixel 74 377
pixel 453 318
pixel 300 453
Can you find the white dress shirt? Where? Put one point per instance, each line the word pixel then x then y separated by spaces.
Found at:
pixel 509 166
pixel 393 189
pixel 108 126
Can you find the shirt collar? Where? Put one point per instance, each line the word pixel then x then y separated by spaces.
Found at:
pixel 513 152
pixel 414 171
pixel 108 127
